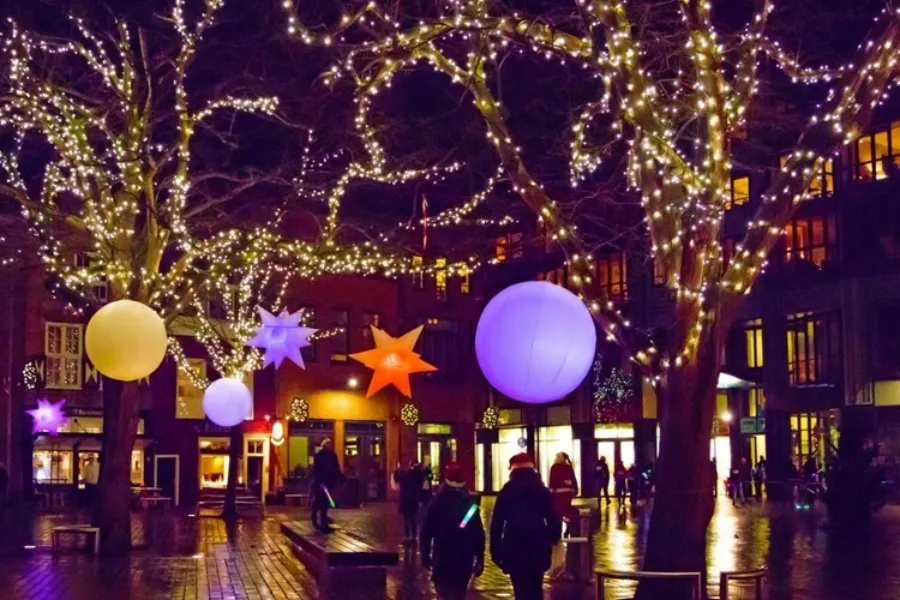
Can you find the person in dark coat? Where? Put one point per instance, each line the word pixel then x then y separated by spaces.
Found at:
pixel 453 547
pixel 633 483
pixel 620 475
pixel 602 472
pixel 326 476
pixel 524 529
pixel 410 481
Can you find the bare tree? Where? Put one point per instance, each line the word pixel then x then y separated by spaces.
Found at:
pixel 672 98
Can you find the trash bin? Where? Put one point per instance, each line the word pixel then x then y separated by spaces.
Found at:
pixel 580 548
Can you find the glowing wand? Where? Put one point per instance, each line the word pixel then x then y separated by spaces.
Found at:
pixel 328 494
pixel 471 513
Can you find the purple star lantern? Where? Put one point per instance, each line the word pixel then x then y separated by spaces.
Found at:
pixel 48 417
pixel 282 336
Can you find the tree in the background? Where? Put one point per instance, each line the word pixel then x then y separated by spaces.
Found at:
pixel 673 98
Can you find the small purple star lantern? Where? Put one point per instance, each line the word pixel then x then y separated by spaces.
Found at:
pixel 48 417
pixel 282 336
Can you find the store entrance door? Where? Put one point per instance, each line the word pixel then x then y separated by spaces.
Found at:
pixel 435 448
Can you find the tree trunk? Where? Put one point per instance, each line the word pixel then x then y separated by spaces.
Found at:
pixel 684 480
pixel 112 508
pixel 229 508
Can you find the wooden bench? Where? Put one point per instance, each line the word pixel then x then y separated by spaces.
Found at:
pixel 343 565
pixel 147 502
pixel 85 530
pixel 296 499
pixel 691 578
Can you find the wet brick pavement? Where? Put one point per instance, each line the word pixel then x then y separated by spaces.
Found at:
pixel 186 558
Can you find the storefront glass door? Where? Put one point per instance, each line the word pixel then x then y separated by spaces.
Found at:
pixel 507 446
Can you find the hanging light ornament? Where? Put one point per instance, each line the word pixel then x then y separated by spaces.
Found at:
pixel 282 336
pixel 393 361
pixel 409 414
pixel 277 433
pixel 299 410
pixel 48 417
pixel 126 340
pixel 491 418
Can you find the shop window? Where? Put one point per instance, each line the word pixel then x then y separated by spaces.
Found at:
pixel 98 290
pixel 811 239
pixel 340 342
pixel 813 348
pixel 612 276
pixel 510 441
pixel 418 275
pixel 555 439
pixel 369 320
pixel 811 433
pixel 63 345
pixel 440 277
pixel 188 397
pixel 878 155
pixel 52 466
pixel 756 402
pixel 753 336
pixel 308 319
pixel 508 247
pixel 823 181
pixel 740 192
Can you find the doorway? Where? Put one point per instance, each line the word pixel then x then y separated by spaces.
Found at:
pixel 256 463
pixel 167 474
pixel 435 447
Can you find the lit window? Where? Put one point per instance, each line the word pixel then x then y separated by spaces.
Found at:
pixel 465 283
pixel 99 291
pixel 822 182
pixel 740 192
pixel 418 275
pixel 63 346
pixel 753 335
pixel 370 319
pixel 440 277
pixel 659 271
pixel 813 348
pixel 508 247
pixel 812 239
pixel 189 397
pixel 878 156
pixel 612 276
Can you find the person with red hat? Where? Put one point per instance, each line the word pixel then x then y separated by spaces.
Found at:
pixel 452 541
pixel 524 528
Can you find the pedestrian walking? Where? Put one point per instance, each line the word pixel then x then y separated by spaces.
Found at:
pixel 326 477
pixel 759 477
pixel 524 529
pixel 620 476
pixel 736 484
pixel 452 543
pixel 427 480
pixel 564 487
pixel 633 483
pixel 602 473
pixel 410 482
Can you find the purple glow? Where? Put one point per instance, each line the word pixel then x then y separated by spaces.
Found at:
pixel 227 402
pixel 48 417
pixel 282 336
pixel 535 342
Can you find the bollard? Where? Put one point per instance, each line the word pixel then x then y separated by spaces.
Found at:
pixel 580 548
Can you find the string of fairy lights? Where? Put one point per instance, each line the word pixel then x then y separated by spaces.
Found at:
pixel 684 198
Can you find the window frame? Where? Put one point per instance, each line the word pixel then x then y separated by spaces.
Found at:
pixel 619 259
pixel 801 229
pixel 754 340
pixel 63 355
pixel 340 357
pixel 99 290
pixel 812 359
pixel 732 201
pixel 874 162
pixel 181 376
pixel 310 353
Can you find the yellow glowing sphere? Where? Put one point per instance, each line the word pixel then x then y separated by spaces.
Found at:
pixel 126 340
pixel 277 433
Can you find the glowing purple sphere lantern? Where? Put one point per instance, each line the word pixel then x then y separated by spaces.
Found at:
pixel 227 402
pixel 535 342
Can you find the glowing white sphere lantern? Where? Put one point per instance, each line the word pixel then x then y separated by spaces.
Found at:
pixel 126 340
pixel 227 402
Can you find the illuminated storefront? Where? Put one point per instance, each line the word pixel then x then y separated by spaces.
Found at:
pixel 552 440
pixel 510 441
pixel 615 441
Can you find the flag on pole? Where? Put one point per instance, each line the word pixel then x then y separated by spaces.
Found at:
pixel 424 221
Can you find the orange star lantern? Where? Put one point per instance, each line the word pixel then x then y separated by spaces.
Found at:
pixel 393 360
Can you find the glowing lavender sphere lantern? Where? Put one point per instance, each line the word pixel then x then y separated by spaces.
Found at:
pixel 227 402
pixel 535 342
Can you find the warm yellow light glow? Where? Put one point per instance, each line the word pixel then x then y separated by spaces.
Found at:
pixel 727 416
pixel 126 340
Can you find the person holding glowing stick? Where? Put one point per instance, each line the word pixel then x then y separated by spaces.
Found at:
pixel 328 495
pixel 453 540
pixel 326 476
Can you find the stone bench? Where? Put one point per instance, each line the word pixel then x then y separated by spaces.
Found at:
pixel 85 530
pixel 343 565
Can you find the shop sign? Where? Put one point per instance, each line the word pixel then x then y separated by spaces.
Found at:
pixel 753 425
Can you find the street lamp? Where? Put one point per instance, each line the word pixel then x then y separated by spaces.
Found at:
pixel 727 416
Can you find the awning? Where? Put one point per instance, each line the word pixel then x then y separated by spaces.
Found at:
pixel 85 442
pixel 730 382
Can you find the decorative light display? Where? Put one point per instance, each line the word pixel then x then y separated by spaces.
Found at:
pixel 393 360
pixel 299 410
pixel 227 402
pixel 701 106
pixel 611 393
pixel 490 419
pixel 31 375
pixel 48 417
pixel 282 336
pixel 277 436
pixel 535 342
pixel 409 414
pixel 126 340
